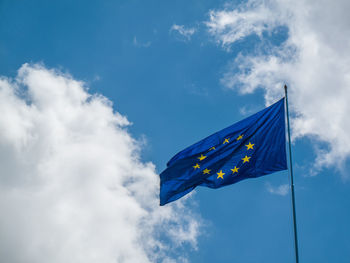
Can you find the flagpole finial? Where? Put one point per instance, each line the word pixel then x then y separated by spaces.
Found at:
pixel 285 87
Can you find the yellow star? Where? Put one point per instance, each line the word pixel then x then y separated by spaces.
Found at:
pixel 206 171
pixel 196 166
pixel 239 137
pixel 220 175
pixel 250 146
pixel 227 140
pixel 212 148
pixel 202 157
pixel 246 159
pixel 235 170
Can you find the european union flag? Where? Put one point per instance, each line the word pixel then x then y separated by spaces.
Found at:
pixel 250 148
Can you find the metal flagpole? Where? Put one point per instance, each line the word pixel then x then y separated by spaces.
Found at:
pixel 291 182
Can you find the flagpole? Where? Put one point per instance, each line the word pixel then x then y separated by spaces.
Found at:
pixel 292 182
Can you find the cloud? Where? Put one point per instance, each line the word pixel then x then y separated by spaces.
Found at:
pixel 248 110
pixel 310 60
pixel 282 190
pixel 183 33
pixel 72 186
pixel 229 26
pixel 136 43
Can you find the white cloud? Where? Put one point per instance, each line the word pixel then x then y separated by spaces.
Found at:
pixel 312 60
pixel 183 33
pixel 137 43
pixel 282 189
pixel 72 186
pixel 245 111
pixel 228 26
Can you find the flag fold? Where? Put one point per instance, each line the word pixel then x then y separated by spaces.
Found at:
pixel 250 148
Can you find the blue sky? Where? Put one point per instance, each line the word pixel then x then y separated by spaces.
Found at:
pixel 176 89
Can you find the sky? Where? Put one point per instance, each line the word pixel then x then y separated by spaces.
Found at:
pixel 97 96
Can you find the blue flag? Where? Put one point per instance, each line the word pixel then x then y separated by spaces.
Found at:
pixel 253 147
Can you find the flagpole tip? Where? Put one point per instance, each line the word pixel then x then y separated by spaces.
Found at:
pixel 285 87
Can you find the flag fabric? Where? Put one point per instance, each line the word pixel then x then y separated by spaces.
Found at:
pixel 250 148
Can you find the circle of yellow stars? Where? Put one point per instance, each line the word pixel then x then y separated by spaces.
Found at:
pixel 220 174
